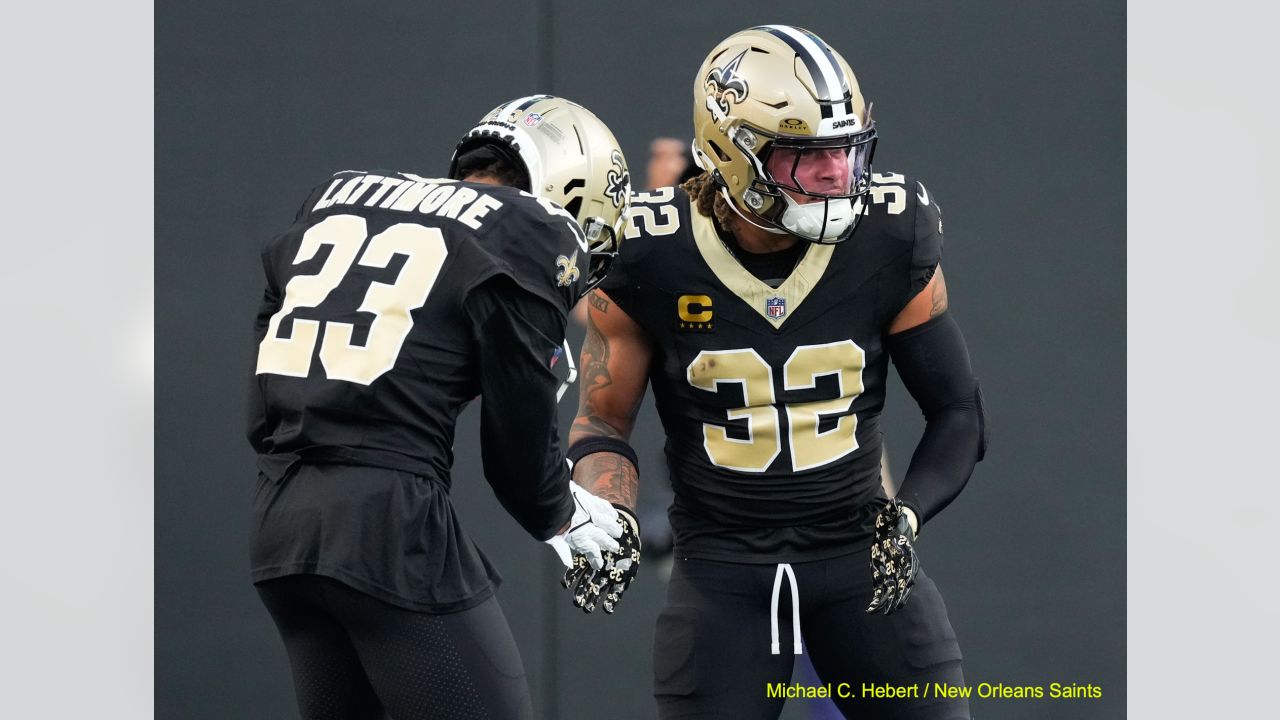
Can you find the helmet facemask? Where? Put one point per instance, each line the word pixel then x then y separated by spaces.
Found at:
pixel 602 245
pixel 812 188
pixel 603 238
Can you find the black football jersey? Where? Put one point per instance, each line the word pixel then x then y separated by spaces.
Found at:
pixel 364 346
pixel 771 397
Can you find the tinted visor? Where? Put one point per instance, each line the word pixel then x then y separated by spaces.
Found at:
pixel 836 167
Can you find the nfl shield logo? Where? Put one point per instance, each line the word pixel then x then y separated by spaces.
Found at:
pixel 775 307
pixel 532 119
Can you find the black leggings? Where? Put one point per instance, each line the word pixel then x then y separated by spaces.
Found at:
pixel 355 657
pixel 713 646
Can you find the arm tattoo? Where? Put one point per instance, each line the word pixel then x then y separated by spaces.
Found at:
pixel 595 366
pixel 609 476
pixel 595 376
pixel 939 298
pixel 592 426
pixel 598 302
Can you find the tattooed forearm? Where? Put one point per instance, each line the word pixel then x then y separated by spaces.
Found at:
pixel 586 426
pixel 595 366
pixel 609 476
pixel 939 296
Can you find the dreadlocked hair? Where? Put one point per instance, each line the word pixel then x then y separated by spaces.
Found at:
pixel 708 199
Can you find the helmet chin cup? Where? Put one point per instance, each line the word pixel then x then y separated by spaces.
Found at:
pixel 823 222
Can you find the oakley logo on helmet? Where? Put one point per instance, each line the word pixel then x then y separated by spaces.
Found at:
pixel 794 125
pixel 725 84
pixel 618 185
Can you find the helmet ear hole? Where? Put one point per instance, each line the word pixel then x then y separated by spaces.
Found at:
pixel 573 206
pixel 719 153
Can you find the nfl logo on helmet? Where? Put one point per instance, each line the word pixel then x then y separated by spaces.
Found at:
pixel 775 307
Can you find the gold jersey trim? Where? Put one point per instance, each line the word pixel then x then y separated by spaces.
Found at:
pixel 750 289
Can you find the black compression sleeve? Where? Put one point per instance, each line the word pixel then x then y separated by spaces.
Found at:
pixel 515 334
pixel 933 362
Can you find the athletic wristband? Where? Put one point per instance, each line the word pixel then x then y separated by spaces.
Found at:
pixel 631 514
pixel 587 446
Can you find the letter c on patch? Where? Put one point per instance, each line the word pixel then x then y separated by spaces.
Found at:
pixel 694 308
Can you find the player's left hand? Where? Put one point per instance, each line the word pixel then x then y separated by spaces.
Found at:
pixel 893 559
pixel 606 585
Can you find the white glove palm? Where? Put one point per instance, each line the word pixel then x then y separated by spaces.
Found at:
pixel 593 530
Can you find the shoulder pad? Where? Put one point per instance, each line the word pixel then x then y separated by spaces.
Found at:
pixel 656 216
pixel 902 205
pixel 538 244
pixel 908 212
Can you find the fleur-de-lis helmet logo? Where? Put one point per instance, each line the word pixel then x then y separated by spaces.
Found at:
pixel 725 85
pixel 618 179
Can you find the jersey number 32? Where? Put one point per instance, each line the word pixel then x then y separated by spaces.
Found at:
pixel 810 446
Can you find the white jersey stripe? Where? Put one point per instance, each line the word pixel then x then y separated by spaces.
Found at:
pixel 831 74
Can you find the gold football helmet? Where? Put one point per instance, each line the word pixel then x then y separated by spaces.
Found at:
pixel 770 102
pixel 571 158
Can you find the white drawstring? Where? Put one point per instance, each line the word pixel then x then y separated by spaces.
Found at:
pixel 776 647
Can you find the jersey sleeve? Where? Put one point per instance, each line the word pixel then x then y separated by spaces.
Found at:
pixel 926 252
pixel 618 284
pixel 515 335
pixel 538 251
pixel 655 217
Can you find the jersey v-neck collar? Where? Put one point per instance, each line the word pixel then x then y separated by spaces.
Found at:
pixel 751 290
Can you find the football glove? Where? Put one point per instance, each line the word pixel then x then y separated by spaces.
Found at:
pixel 893 559
pixel 592 530
pixel 605 585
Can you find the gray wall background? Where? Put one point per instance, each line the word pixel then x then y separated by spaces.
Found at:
pixel 1012 112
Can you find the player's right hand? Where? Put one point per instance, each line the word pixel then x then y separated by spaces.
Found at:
pixel 593 530
pixel 606 585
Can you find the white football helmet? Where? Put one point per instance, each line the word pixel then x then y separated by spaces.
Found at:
pixel 571 159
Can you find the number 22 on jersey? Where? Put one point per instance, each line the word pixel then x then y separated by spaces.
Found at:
pixel 810 447
pixel 390 305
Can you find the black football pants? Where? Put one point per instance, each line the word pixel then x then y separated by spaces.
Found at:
pixel 713 646
pixel 355 657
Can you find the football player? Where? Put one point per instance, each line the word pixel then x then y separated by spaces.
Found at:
pixel 391 302
pixel 763 301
